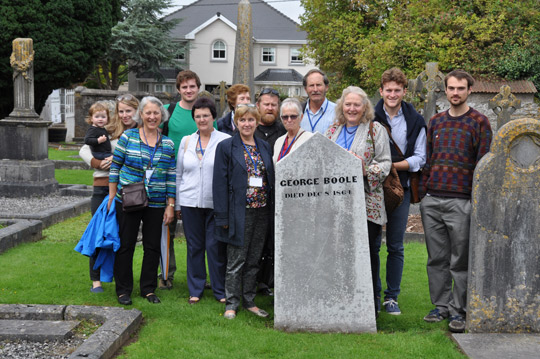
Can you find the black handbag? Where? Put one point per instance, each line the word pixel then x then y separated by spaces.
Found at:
pixel 134 197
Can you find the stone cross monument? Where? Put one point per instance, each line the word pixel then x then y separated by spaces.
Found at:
pixel 243 54
pixel 429 86
pixel 504 104
pixel 24 166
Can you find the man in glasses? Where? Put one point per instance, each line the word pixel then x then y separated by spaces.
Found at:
pixel 270 127
pixel 319 112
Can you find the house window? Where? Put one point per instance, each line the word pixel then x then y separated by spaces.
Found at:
pixel 296 56
pixel 219 51
pixel 268 55
pixel 163 88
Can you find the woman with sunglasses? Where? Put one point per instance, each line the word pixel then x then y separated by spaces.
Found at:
pixel 242 190
pixel 291 116
pixel 122 120
pixel 194 173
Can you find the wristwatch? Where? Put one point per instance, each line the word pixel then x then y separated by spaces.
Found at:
pixel 171 204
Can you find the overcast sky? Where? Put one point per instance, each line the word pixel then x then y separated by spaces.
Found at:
pixel 291 8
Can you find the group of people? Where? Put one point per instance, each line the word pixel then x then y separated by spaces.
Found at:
pixel 218 177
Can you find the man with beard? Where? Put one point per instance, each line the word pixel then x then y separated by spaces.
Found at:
pixel 270 129
pixel 319 112
pixel 456 140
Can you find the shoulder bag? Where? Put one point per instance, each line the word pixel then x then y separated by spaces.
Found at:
pixel 393 190
pixel 134 197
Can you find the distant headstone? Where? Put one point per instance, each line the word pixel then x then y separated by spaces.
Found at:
pixel 504 266
pixel 322 264
pixel 428 86
pixel 504 104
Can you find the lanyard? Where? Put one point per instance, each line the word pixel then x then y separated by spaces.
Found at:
pixel 316 122
pixel 348 145
pixel 155 148
pixel 251 158
pixel 285 151
pixel 200 144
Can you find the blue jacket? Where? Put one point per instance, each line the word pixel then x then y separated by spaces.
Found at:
pixel 102 233
pixel 229 187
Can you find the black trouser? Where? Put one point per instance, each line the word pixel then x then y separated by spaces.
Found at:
pixel 129 223
pixel 98 195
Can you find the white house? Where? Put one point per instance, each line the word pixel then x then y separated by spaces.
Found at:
pixel 209 30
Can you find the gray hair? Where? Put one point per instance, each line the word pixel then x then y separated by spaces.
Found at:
pixel 291 103
pixel 150 99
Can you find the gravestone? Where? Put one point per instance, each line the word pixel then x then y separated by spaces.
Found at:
pixel 429 87
pixel 504 259
pixel 24 166
pixel 322 264
pixel 243 53
pixel 504 104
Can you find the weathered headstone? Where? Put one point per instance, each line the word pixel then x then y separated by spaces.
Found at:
pixel 504 266
pixel 243 53
pixel 428 86
pixel 24 166
pixel 322 264
pixel 504 104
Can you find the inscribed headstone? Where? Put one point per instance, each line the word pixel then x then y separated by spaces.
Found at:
pixel 322 264
pixel 504 266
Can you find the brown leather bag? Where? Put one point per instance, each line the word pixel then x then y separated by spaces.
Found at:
pixel 134 197
pixel 393 190
pixel 414 181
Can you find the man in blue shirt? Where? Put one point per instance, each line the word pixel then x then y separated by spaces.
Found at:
pixel 408 133
pixel 319 112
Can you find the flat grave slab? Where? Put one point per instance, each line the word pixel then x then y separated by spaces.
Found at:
pixel 499 346
pixel 36 330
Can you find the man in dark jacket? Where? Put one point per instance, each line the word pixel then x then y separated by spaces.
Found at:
pixel 270 128
pixel 408 133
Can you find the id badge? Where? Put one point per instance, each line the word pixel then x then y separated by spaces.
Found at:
pixel 149 174
pixel 255 181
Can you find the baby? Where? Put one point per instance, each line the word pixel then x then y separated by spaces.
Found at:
pixel 97 136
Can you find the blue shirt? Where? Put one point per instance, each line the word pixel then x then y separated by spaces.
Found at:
pixel 321 120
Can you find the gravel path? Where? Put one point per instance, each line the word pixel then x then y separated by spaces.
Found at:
pixel 33 205
pixel 46 350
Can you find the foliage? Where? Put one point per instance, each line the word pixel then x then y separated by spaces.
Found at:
pixel 140 42
pixel 490 39
pixel 69 36
pixel 200 330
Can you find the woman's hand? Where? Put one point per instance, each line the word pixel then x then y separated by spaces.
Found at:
pixel 106 163
pixel 178 214
pixel 109 203
pixel 168 216
pixel 363 166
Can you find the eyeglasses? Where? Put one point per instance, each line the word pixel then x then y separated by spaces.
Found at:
pixel 250 105
pixel 205 116
pixel 268 90
pixel 286 117
pixel 125 97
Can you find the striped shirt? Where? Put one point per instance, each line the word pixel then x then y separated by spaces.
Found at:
pixel 132 158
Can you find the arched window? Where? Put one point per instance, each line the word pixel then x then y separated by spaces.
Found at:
pixel 219 50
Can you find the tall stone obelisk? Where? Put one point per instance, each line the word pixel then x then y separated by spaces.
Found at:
pixel 25 169
pixel 243 55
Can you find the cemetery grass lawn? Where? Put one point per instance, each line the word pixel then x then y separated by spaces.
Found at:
pixel 51 272
pixel 65 176
pixel 64 155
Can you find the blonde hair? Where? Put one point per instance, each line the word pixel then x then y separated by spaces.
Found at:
pixel 116 127
pixel 241 110
pixel 369 113
pixel 96 107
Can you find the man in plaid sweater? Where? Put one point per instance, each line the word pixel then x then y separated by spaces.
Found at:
pixel 456 140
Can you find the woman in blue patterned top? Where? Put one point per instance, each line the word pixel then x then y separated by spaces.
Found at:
pixel 143 154
pixel 242 190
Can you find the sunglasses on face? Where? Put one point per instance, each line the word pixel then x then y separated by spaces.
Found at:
pixel 286 117
pixel 125 97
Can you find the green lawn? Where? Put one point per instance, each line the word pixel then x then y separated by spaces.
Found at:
pixel 64 176
pixel 65 155
pixel 51 272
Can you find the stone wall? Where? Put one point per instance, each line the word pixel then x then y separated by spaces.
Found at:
pixel 84 98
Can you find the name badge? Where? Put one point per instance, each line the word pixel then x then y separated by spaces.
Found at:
pixel 255 181
pixel 149 173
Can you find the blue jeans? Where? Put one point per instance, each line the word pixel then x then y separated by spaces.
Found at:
pixel 395 231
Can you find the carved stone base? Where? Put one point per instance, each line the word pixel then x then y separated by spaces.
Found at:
pixel 23 139
pixel 27 178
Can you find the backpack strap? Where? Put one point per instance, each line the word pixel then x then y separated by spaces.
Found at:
pixel 170 109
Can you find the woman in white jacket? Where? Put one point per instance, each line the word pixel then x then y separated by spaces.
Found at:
pixel 194 202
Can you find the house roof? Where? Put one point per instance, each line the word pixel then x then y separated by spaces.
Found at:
pixel 521 86
pixel 268 23
pixel 279 75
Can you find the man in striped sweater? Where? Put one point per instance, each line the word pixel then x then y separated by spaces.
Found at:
pixel 456 140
